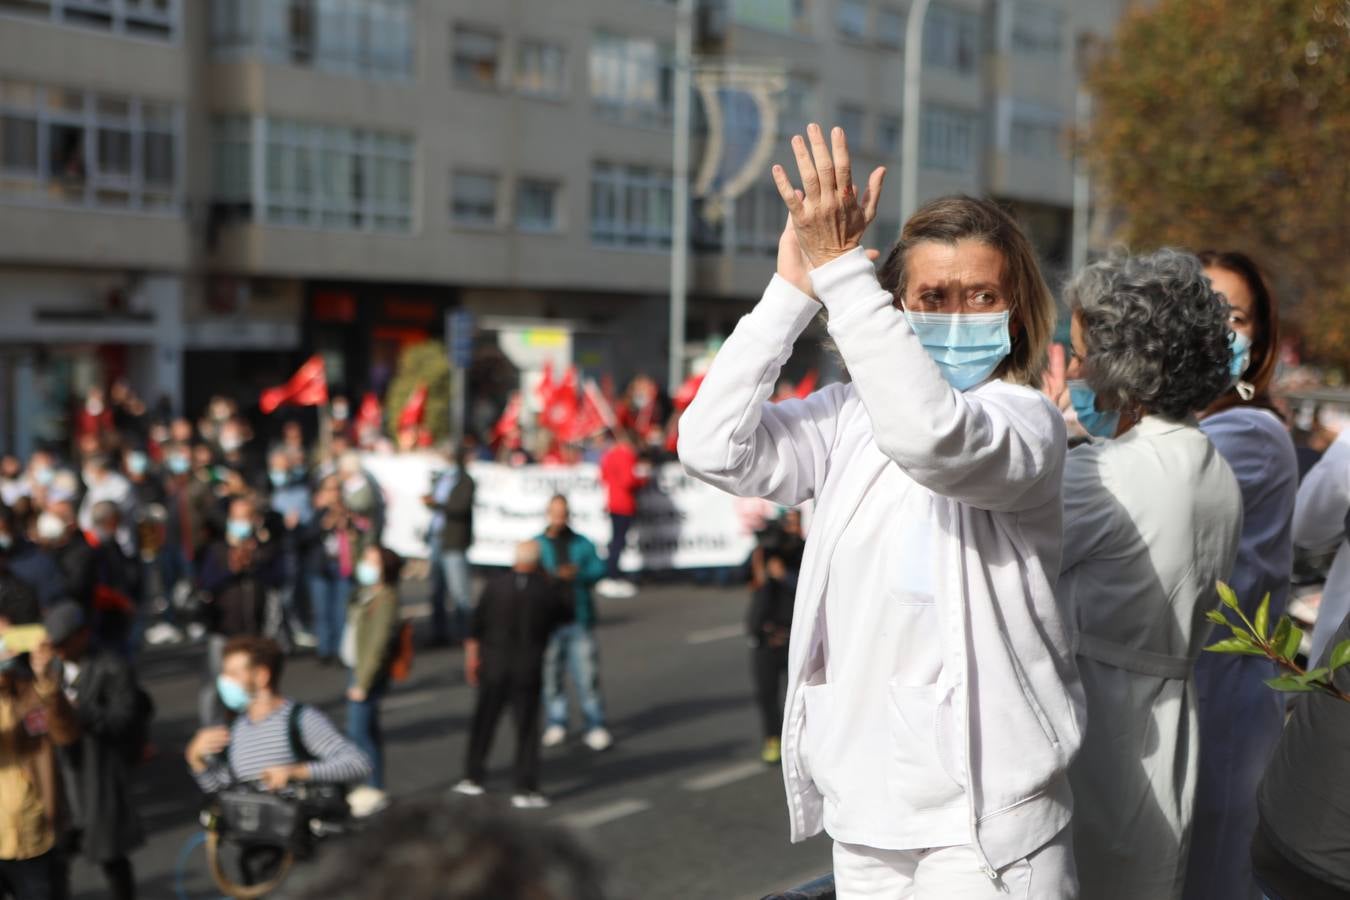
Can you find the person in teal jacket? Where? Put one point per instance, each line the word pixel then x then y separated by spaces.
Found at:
pixel 570 557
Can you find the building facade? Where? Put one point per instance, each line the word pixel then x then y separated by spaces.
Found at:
pixel 196 193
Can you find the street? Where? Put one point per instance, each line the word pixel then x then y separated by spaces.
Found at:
pixel 681 807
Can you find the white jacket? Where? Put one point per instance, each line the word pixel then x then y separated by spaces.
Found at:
pixel 1010 707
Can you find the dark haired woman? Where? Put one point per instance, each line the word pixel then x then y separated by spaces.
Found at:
pixel 1151 522
pixel 367 649
pixel 1241 718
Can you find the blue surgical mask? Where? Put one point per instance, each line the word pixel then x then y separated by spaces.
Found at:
pixel 367 575
pixel 1094 421
pixel 1242 354
pixel 137 463
pixel 279 479
pixel 966 347
pixel 179 465
pixel 232 693
pixel 44 476
pixel 239 529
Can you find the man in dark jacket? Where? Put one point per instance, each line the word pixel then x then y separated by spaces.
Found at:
pixel 775 566
pixel 63 541
pixel 504 658
pixel 97 768
pixel 451 502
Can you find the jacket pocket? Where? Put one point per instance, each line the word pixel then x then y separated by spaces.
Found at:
pixel 814 759
pixel 916 774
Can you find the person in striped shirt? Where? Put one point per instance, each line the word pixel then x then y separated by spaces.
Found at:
pixel 263 745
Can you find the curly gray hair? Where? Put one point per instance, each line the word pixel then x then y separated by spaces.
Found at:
pixel 1157 333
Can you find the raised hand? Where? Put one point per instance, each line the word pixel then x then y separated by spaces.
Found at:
pixel 827 214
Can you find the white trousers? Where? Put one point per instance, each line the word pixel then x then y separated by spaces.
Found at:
pixel 953 873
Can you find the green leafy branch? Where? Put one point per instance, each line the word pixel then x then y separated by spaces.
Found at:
pixel 1280 646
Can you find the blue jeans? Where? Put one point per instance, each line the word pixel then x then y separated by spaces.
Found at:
pixel 573 646
pixel 451 577
pixel 328 595
pixel 363 727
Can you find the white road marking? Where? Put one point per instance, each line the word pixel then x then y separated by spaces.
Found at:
pixel 402 701
pixel 711 781
pixel 601 815
pixel 710 635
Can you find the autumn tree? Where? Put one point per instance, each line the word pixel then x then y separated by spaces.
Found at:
pixel 418 365
pixel 1226 124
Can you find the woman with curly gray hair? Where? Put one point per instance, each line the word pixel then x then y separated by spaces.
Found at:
pixel 1151 522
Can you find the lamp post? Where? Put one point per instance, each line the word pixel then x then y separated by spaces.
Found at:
pixel 679 193
pixel 909 159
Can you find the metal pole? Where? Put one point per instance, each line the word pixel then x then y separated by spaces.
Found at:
pixel 1082 185
pixel 679 237
pixel 909 159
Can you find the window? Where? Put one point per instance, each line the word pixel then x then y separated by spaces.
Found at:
pixel 852 119
pixel 473 199
pixel 632 79
pixel 1035 131
pixel 947 139
pixel 537 205
pixel 759 219
pixel 317 176
pixel 798 105
pixel 630 206
pixel 1037 29
pixel 783 16
pixel 477 57
pixel 891 24
pixel 92 149
pixel 141 18
pixel 541 69
pixel 361 37
pixel 888 135
pixel 850 17
pixel 951 39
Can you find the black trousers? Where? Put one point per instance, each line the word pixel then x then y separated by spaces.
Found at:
pixel 1280 879
pixel 768 667
pixel 495 694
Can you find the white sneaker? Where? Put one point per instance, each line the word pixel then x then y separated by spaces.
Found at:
pixel 162 633
pixel 599 739
pixel 469 788
pixel 305 639
pixel 196 631
pixel 554 735
pixel 615 589
pixel 530 801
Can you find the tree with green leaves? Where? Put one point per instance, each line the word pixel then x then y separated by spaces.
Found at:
pixel 1255 638
pixel 421 364
pixel 1225 123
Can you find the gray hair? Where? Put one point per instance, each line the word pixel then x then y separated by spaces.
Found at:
pixel 1157 333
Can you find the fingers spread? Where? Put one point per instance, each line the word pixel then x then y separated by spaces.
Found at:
pixel 791 197
pixel 824 165
pixel 872 196
pixel 807 168
pixel 843 166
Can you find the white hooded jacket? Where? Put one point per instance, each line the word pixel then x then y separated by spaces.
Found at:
pixel 1010 708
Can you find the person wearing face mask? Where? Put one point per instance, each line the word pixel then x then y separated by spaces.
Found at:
pixel 28 563
pixel 13 486
pixel 332 544
pixel 1240 718
pixel 102 484
pixel 1152 521
pixel 368 649
pixel 932 706
pixel 117 580
pixel 257 746
pixel 235 573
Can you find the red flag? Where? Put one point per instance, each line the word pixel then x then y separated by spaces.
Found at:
pixel 307 387
pixel 596 415
pixel 369 415
pixel 415 410
pixel 543 391
pixel 560 410
pixel 510 420
pixel 807 385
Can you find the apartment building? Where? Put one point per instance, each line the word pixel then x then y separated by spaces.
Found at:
pixel 194 193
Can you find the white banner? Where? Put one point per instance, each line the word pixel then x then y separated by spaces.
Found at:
pixel 681 523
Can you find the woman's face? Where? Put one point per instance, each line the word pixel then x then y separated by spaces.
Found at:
pixel 965 277
pixel 1242 319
